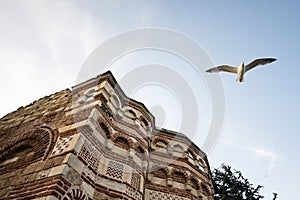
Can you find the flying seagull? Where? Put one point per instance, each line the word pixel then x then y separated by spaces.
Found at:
pixel 242 69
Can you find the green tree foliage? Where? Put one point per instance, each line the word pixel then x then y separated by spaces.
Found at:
pixel 229 184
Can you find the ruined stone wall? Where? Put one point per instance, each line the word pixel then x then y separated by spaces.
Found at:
pixel 95 143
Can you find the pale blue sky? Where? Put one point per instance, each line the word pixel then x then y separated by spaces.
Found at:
pixel 44 44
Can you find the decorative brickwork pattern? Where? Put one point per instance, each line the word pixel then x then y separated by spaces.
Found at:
pixel 75 194
pixel 90 155
pixel 133 193
pixel 39 158
pixel 62 145
pixel 164 196
pixel 115 170
pixel 135 181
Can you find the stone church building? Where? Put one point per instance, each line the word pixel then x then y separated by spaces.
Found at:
pixel 93 142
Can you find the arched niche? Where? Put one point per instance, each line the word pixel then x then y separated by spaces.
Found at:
pixel 159 144
pixel 195 183
pixel 141 152
pixel 144 123
pixel 18 151
pixel 130 113
pixel 179 176
pixel 178 148
pixel 160 173
pixel 205 189
pixel 29 148
pixel 105 130
pixel 122 142
pixel 192 155
pixel 116 102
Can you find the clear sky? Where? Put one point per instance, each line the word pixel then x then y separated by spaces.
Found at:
pixel 45 43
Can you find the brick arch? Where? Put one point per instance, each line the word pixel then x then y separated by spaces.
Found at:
pixel 52 139
pixel 105 127
pixel 122 142
pixel 196 184
pixel 75 193
pixel 15 148
pixel 141 152
pixel 43 139
pixel 205 189
pixel 158 139
pixel 174 171
pixel 27 148
pixel 158 167
pixel 140 148
pixel 118 135
pixel 144 123
pixel 189 151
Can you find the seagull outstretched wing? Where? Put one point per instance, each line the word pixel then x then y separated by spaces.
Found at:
pixel 224 68
pixel 260 61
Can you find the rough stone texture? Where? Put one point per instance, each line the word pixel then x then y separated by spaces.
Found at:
pixel 95 143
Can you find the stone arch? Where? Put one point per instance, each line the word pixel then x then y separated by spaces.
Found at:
pixel 140 149
pixel 89 93
pixel 205 189
pixel 126 137
pixel 105 128
pixel 160 171
pixel 130 113
pixel 160 145
pixel 141 152
pixel 195 183
pixel 144 123
pixel 179 175
pixel 160 142
pixel 178 148
pixel 202 162
pixel 191 154
pixel 122 142
pixel 115 100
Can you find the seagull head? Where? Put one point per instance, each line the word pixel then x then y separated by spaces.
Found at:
pixel 242 65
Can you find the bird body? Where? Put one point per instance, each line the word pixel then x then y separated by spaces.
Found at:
pixel 242 69
pixel 240 72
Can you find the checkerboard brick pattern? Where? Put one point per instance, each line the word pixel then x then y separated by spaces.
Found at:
pixel 62 145
pixel 164 196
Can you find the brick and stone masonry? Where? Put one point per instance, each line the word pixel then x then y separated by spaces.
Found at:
pixel 96 143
